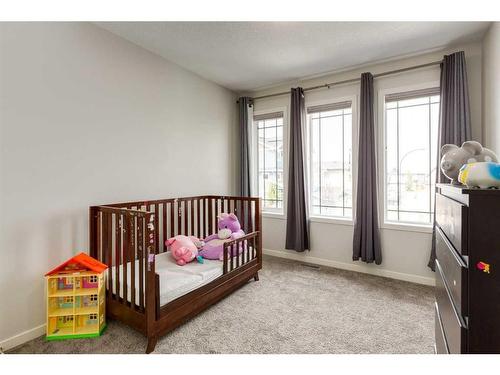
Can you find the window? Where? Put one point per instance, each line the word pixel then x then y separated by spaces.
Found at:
pixel 411 132
pixel 93 316
pixel 330 132
pixel 93 297
pixel 93 279
pixel 270 160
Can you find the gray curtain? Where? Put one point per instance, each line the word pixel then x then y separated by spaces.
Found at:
pixel 366 239
pixel 297 236
pixel 454 117
pixel 244 103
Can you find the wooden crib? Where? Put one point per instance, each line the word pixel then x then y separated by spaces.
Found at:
pixel 128 236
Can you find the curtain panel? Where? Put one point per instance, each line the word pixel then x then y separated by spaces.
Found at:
pixel 244 104
pixel 297 231
pixel 366 239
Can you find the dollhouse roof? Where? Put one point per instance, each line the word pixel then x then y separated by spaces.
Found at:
pixel 80 262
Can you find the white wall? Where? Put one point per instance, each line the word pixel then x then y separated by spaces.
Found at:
pixel 491 87
pixel 88 118
pixel 405 251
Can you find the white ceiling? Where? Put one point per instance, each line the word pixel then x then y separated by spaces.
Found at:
pixel 250 55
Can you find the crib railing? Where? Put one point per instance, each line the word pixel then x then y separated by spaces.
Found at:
pixel 127 236
pixel 195 216
pixel 123 239
pixel 242 251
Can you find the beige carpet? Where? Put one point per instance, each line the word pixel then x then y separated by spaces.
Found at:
pixel 292 309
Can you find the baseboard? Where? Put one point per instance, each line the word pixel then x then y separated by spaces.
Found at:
pixel 301 257
pixel 22 337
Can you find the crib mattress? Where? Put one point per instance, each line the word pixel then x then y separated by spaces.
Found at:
pixel 175 280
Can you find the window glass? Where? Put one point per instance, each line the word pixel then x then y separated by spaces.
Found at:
pixel 330 134
pixel 411 128
pixel 270 163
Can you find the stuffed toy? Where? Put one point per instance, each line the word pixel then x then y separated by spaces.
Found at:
pixel 229 229
pixel 483 175
pixel 453 157
pixel 184 249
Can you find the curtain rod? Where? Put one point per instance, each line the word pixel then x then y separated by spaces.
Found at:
pixel 327 85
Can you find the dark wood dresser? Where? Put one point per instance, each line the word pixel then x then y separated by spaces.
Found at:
pixel 467 270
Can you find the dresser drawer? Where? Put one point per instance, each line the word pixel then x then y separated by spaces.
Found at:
pixel 451 216
pixel 441 347
pixel 453 324
pixel 454 269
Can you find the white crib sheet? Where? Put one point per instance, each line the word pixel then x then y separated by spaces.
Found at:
pixel 175 280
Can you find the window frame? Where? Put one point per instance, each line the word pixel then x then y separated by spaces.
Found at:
pixel 354 139
pixel 382 157
pixel 254 157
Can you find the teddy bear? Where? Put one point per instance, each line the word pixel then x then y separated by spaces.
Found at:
pixel 184 249
pixel 229 229
pixel 454 157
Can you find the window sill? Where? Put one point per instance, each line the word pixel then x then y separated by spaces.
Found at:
pixel 331 220
pixel 274 215
pixel 422 228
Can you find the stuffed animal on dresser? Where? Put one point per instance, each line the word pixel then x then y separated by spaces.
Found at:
pixel 229 229
pixel 453 157
pixel 481 175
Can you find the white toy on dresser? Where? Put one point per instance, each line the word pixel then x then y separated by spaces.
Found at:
pixel 482 175
pixel 454 157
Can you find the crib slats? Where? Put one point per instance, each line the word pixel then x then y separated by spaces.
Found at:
pixel 247 250
pixel 254 250
pixel 107 241
pixel 118 244
pixel 238 258
pixel 126 244
pixel 199 234
pixel 140 252
pixel 157 225
pixel 132 260
pixel 110 252
pixel 179 218
pixel 164 218
pixel 172 220
pixel 210 217
pixel 231 258
pixel 202 218
pixel 249 213
pixel 191 231
pixel 239 213
pixel 185 213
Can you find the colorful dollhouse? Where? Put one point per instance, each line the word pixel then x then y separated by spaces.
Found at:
pixel 76 304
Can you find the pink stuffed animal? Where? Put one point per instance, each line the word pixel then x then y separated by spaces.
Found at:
pixel 184 249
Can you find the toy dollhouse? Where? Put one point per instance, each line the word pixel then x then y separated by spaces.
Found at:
pixel 76 299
